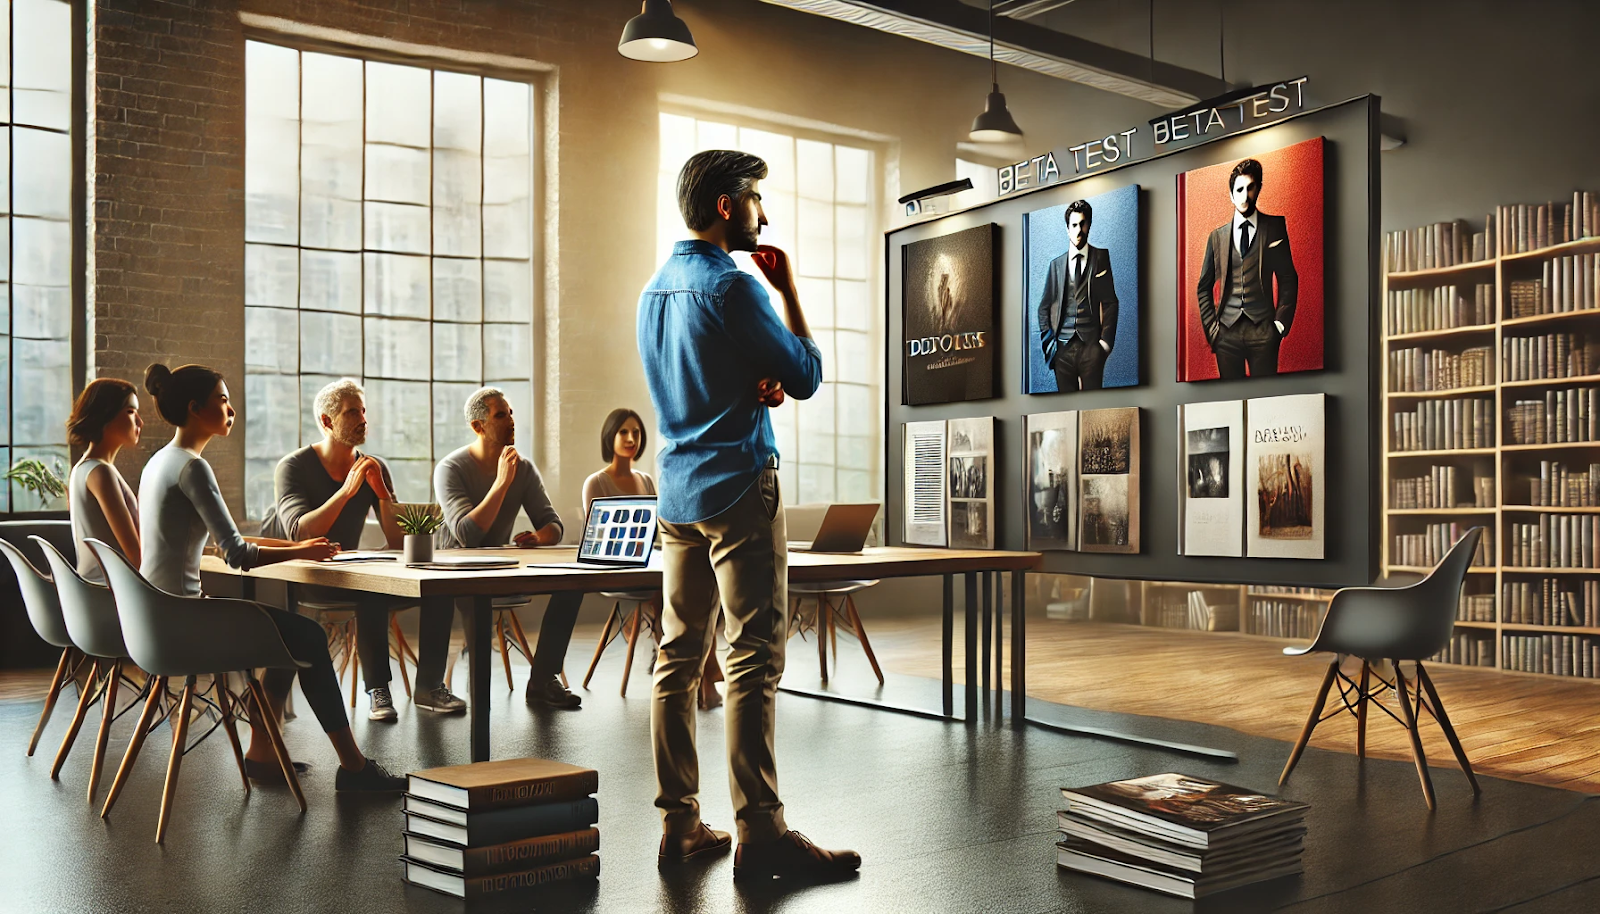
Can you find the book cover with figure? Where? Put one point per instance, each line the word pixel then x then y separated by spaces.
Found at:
pixel 1052 480
pixel 1284 463
pixel 948 302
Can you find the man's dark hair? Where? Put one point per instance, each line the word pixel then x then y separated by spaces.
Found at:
pixel 1248 167
pixel 613 424
pixel 1079 206
pixel 710 174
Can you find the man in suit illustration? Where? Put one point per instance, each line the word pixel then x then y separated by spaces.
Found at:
pixel 1243 322
pixel 1078 310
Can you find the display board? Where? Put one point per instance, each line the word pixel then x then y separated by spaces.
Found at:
pixel 1026 496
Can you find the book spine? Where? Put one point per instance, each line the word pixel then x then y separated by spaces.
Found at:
pixel 516 855
pixel 504 884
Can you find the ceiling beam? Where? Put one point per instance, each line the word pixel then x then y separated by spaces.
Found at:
pixel 1027 9
pixel 959 27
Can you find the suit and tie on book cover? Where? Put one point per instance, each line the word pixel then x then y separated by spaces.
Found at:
pixel 1081 294
pixel 1250 265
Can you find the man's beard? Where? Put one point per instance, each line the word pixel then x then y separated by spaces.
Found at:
pixel 353 438
pixel 745 237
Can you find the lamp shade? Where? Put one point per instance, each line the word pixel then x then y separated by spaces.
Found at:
pixel 656 35
pixel 995 124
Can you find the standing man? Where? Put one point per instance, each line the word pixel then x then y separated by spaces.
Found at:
pixel 328 489
pixel 716 357
pixel 480 487
pixel 1245 254
pixel 1078 310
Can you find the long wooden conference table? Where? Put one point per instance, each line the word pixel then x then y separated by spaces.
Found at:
pixel 432 585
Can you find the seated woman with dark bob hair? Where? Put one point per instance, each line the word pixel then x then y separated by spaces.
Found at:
pixel 105 419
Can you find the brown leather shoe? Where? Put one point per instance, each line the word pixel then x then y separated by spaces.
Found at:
pixel 701 843
pixel 793 856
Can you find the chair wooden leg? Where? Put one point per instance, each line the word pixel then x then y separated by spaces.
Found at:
pixel 600 646
pixel 355 660
pixel 57 684
pixel 400 652
pixel 1449 731
pixel 1361 712
pixel 1412 726
pixel 85 699
pixel 522 644
pixel 833 629
pixel 822 634
pixel 108 710
pixel 633 641
pixel 275 737
pixel 224 700
pixel 861 635
pixel 158 688
pixel 180 737
pixel 505 652
pixel 1311 721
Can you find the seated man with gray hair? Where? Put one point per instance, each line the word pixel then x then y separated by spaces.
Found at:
pixel 328 489
pixel 480 487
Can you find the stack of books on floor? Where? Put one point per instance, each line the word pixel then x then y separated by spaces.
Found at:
pixel 1182 835
pixel 498 829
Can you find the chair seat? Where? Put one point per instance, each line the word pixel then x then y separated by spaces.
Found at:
pixel 330 606
pixel 631 596
pixel 839 587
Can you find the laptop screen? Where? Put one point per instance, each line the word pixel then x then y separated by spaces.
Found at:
pixel 619 531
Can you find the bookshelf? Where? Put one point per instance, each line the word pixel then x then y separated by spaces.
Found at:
pixel 1533 477
pixel 1262 611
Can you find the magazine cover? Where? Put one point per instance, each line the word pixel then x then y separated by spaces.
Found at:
pixel 1192 802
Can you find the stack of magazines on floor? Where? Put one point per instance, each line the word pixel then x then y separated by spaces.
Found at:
pixel 498 829
pixel 1181 835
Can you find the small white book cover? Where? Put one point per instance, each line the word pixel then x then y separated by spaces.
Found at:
pixel 1285 465
pixel 924 469
pixel 1211 491
pixel 970 487
pixel 1051 478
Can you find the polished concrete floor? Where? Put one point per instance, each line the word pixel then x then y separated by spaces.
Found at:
pixel 949 818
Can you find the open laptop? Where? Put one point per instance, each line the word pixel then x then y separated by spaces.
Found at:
pixel 618 533
pixel 844 530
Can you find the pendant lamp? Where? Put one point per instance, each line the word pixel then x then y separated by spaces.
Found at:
pixel 656 35
pixel 995 124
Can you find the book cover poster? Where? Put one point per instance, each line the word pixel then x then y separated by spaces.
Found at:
pixel 1284 466
pixel 1108 474
pixel 948 302
pixel 1271 320
pixel 969 454
pixel 923 467
pixel 1080 319
pixel 1052 480
pixel 1211 496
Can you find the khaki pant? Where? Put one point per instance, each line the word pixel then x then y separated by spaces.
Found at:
pixel 740 553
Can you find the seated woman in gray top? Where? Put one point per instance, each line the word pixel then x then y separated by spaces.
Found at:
pixel 181 505
pixel 105 419
pixel 480 487
pixel 328 489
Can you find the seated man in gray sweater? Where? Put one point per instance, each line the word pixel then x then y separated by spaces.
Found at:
pixel 480 487
pixel 328 489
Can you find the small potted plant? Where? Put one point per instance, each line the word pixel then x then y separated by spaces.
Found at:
pixel 44 481
pixel 419 522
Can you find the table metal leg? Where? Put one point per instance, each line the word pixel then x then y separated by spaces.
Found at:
pixel 948 677
pixel 969 607
pixel 988 614
pixel 1019 708
pixel 478 623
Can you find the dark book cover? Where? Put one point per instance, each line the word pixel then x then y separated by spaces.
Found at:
pixel 475 888
pixel 501 825
pixel 948 317
pixel 506 857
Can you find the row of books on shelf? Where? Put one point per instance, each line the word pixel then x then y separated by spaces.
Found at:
pixel 1440 308
pixel 1429 547
pixel 1467 649
pixel 1557 655
pixel 1283 618
pixel 1549 357
pixel 1443 425
pixel 1561 417
pixel 1561 486
pixel 1566 285
pixel 1442 244
pixel 502 829
pixel 1255 590
pixel 1439 489
pixel 1551 601
pixel 1179 834
pixel 1415 369
pixel 1522 227
pixel 1475 607
pixel 1191 611
pixel 1555 541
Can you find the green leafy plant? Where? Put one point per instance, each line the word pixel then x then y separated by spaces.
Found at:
pixel 419 519
pixel 47 482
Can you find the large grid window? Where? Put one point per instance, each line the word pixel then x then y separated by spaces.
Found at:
pixel 389 237
pixel 36 228
pixel 820 199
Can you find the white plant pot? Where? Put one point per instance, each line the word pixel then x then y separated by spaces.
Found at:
pixel 418 548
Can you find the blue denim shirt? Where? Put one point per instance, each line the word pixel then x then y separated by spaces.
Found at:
pixel 707 335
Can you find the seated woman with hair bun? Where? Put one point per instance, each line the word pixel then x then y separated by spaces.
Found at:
pixel 182 504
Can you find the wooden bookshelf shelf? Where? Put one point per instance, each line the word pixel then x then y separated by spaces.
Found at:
pixel 1581 246
pixel 1427 394
pixel 1449 452
pixel 1302 597
pixel 1487 626
pixel 1440 512
pixel 1549 318
pixel 1548 629
pixel 1528 569
pixel 1439 275
pixel 1546 447
pixel 1535 509
pixel 1554 382
pixel 1426 569
pixel 1436 334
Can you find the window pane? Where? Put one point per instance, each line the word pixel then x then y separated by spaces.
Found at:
pixel 520 395
pixel 330 152
pixel 854 308
pixel 271 416
pixel 397 415
pixel 310 424
pixel 816 483
pixel 824 340
pixel 43 370
pixel 457 290
pixel 46 161
pixel 507 291
pixel 450 428
pixel 274 341
pixel 457 352
pixel 857 452
pixel 816 426
pixel 397 227
pixel 814 256
pixel 854 359
pixel 397 174
pixel 508 169
pixel 815 170
pixel 816 298
pixel 858 409
pixel 396 286
pixel 783 435
pixel 5 156
pixel 272 143
pixel 396 349
pixel 781 210
pixel 508 351
pixel 711 135
pixel 457 111
pixel 854 249
pixel 53 457
pixel 330 281
pixel 258 479
pixel 413 479
pixel 677 142
pixel 42 63
pixel 852 174
pixel 43 252
pixel 777 150
pixel 855 486
pixel 271 275
pixel 457 203
pixel 41 312
pixel 5 244
pixel 398 104
pixel 330 343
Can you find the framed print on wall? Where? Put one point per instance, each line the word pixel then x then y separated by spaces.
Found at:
pixel 969 454
pixel 1211 490
pixel 922 453
pixel 1051 479
pixel 1250 265
pixel 1108 473
pixel 1285 466
pixel 948 308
